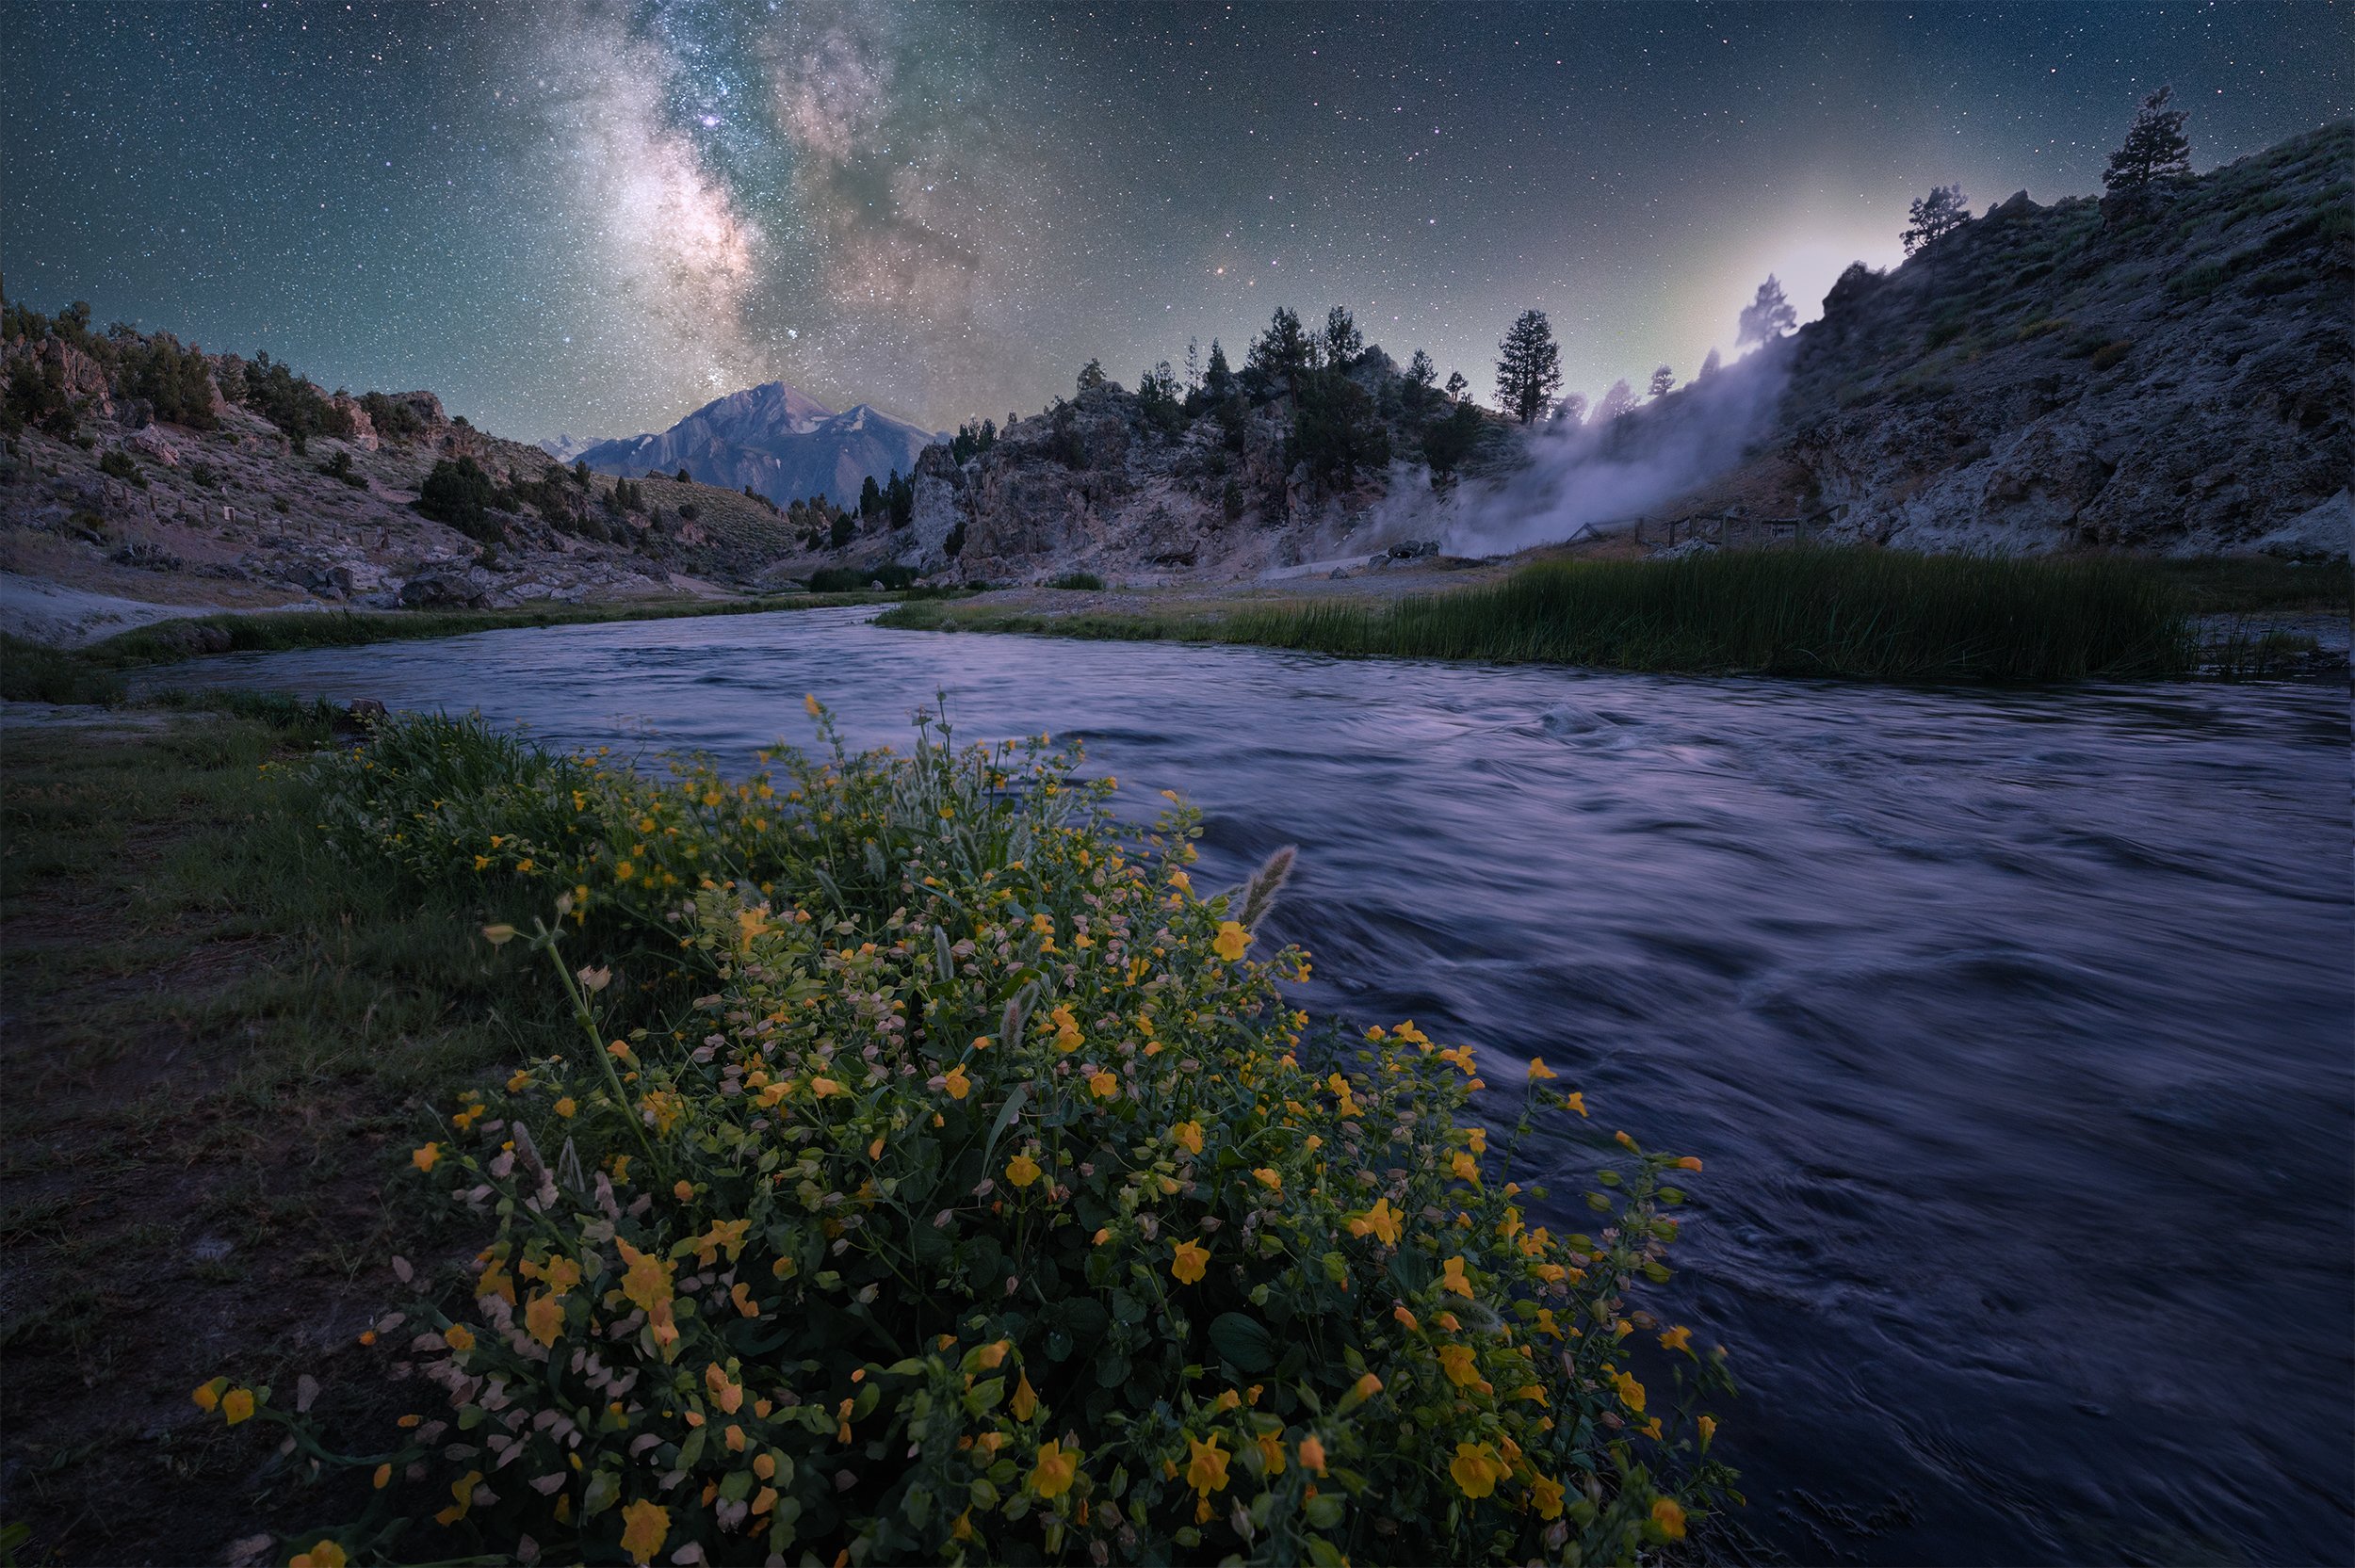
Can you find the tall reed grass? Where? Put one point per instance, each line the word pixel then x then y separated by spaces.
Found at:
pixel 1859 614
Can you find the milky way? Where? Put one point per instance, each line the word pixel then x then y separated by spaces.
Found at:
pixel 591 217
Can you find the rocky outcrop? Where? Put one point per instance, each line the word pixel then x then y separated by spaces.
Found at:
pixel 2168 374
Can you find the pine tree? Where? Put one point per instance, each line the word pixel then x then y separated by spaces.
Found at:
pixel 1709 366
pixel 1662 379
pixel 2156 149
pixel 1193 366
pixel 1091 376
pixel 1457 384
pixel 1420 374
pixel 869 497
pixel 1768 316
pixel 1283 352
pixel 1219 379
pixel 1572 411
pixel 1615 402
pixel 1343 343
pixel 1941 212
pixel 1529 372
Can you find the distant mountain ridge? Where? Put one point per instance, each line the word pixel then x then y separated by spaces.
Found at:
pixel 773 438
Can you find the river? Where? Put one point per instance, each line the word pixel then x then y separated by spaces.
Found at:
pixel 2013 1028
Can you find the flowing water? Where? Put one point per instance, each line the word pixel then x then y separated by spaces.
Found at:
pixel 2014 1029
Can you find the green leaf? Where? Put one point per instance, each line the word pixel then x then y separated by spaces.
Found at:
pixel 1242 1341
pixel 1013 1107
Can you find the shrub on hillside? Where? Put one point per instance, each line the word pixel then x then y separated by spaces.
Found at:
pixel 458 492
pixel 941 1178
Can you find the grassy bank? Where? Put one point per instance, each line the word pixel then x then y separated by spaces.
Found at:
pixel 219 1043
pixel 930 1173
pixel 1853 614
pixel 31 671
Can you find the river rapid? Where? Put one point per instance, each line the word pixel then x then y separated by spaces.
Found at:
pixel 2013 1028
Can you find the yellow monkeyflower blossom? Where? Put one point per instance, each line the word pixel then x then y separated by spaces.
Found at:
pixel 1103 1085
pixel 957 1083
pixel 1190 1262
pixel 1022 1171
pixel 1025 1401
pixel 1270 1178
pixel 1708 1425
pixel 644 1526
pixel 1544 1495
pixel 1231 940
pixel 544 1318
pixel 1312 1453
pixel 1381 1220
pixel 238 1405
pixel 1669 1517
pixel 1477 1468
pixel 1451 1278
pixel 1538 1072
pixel 326 1553
pixel 1205 1466
pixel 424 1158
pixel 1688 1162
pixel 207 1395
pixel 1631 1392
pixel 1056 1469
pixel 1460 1365
pixel 458 1337
pixel 1189 1136
pixel 1676 1338
pixel 1574 1101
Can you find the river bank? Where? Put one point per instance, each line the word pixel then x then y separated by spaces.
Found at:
pixel 1844 613
pixel 216 1043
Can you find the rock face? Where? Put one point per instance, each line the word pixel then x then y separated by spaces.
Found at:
pixel 2167 374
pixel 1101 483
pixel 774 440
pixel 105 499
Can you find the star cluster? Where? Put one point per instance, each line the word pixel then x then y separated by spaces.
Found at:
pixel 592 217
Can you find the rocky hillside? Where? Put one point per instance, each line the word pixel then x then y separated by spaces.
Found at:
pixel 773 441
pixel 137 470
pixel 2166 371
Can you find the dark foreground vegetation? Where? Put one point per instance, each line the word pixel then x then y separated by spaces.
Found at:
pixel 889 1160
pixel 1846 613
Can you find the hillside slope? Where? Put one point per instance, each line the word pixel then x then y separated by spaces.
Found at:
pixel 137 473
pixel 2167 372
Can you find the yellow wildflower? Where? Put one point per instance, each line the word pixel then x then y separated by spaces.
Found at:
pixel 1544 1495
pixel 957 1083
pixel 1688 1163
pixel 1206 1466
pixel 207 1395
pixel 1189 1136
pixel 1381 1220
pixel 1575 1101
pixel 458 1337
pixel 1708 1425
pixel 238 1405
pixel 1025 1401
pixel 1312 1453
pixel 1190 1262
pixel 1022 1171
pixel 544 1318
pixel 1538 1072
pixel 644 1526
pixel 1103 1085
pixel 1676 1338
pixel 1458 1363
pixel 1669 1517
pixel 1631 1392
pixel 1231 940
pixel 567 1106
pixel 1056 1470
pixel 325 1554
pixel 1477 1468
pixel 1451 1278
pixel 423 1158
pixel 1269 1178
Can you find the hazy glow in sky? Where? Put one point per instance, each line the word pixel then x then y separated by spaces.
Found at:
pixel 593 217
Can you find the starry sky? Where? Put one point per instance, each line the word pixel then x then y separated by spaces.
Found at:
pixel 591 217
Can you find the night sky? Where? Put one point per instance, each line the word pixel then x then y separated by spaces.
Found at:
pixel 592 219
